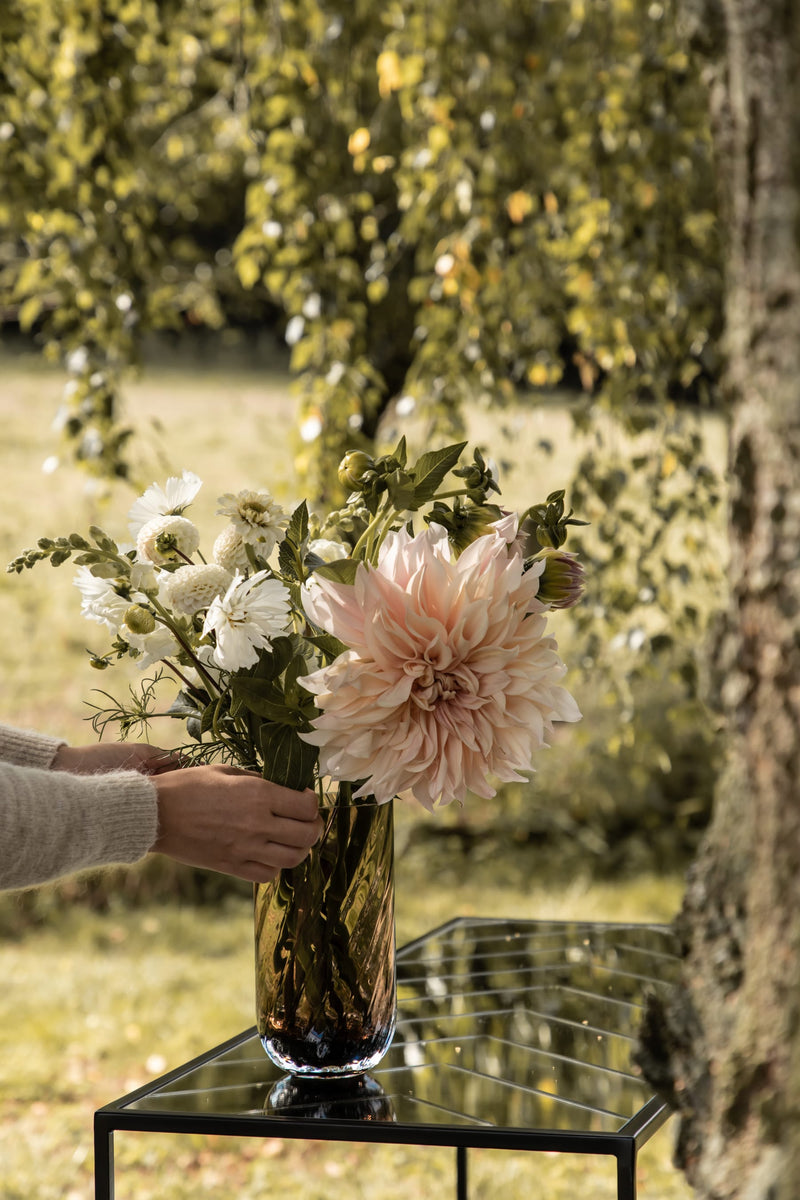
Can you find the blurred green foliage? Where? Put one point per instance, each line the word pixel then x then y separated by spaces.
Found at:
pixel 440 202
pixel 123 164
pixel 444 201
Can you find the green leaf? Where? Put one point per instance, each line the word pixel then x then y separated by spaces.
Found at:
pixel 288 761
pixel 400 452
pixel 330 646
pixel 289 561
pixel 207 717
pixel 297 531
pixel 343 570
pixel 402 491
pixel 264 698
pixel 272 663
pixel 431 469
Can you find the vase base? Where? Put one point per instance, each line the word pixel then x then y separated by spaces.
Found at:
pixel 318 1056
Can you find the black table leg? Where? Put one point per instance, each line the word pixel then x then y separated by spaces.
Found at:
pixel 461 1173
pixel 103 1161
pixel 626 1172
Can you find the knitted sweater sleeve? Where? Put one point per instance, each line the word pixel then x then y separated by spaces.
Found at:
pixel 54 822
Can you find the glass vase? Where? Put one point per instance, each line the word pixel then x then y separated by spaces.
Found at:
pixel 325 948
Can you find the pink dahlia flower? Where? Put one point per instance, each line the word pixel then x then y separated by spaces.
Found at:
pixel 449 677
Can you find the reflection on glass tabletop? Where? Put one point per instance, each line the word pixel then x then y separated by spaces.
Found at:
pixel 504 1024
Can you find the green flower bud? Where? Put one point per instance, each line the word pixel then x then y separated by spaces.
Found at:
pixel 139 619
pixel 353 467
pixel 464 522
pixel 561 581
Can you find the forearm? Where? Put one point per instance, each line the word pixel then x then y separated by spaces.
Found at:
pixel 25 748
pixel 53 823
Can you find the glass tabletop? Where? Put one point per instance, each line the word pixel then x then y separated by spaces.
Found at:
pixel 513 1025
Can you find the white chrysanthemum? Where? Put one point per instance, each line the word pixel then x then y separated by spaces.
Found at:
pixel 165 539
pixel 256 516
pixel 230 551
pixel 190 588
pixel 328 550
pixel 99 599
pixel 169 501
pixel 246 618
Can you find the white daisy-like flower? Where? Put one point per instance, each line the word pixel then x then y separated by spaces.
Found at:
pixel 165 539
pixel 229 550
pixel 246 618
pixel 192 588
pixel 256 516
pixel 143 577
pixel 99 599
pixel 169 501
pixel 328 550
pixel 152 647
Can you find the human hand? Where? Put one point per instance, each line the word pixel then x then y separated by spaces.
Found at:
pixel 114 756
pixel 233 821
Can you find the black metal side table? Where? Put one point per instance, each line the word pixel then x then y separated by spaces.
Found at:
pixel 511 1035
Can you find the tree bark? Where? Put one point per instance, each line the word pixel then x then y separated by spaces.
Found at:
pixel 726 1048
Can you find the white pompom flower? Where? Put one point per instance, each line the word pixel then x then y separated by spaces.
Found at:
pixel 230 550
pixel 256 517
pixel 165 539
pixel 246 619
pixel 169 501
pixel 192 588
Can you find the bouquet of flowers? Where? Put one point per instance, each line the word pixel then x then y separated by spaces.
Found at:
pixel 398 645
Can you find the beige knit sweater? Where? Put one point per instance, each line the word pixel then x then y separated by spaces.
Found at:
pixel 52 822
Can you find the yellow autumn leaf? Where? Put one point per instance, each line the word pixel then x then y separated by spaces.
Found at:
pixel 669 464
pixel 538 374
pixel 390 78
pixel 358 141
pixel 519 205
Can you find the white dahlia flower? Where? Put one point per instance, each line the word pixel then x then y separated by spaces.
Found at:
pixel 246 618
pixel 164 539
pixel 192 588
pixel 256 516
pixel 230 551
pixel 450 679
pixel 169 501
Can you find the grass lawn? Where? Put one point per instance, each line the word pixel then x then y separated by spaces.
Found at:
pixel 94 1004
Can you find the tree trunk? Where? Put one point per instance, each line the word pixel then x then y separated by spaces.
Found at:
pixel 726 1049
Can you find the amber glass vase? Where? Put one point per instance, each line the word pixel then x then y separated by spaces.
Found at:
pixel 325 947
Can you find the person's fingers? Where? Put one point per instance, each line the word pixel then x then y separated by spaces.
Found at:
pixel 288 832
pixel 255 872
pixel 157 761
pixel 302 806
pixel 279 856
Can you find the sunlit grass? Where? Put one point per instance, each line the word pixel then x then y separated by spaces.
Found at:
pixel 94 1004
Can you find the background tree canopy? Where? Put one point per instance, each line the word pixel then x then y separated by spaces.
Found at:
pixel 441 201
pixel 436 203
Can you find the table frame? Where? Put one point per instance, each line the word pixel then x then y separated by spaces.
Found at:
pixel 623 1144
